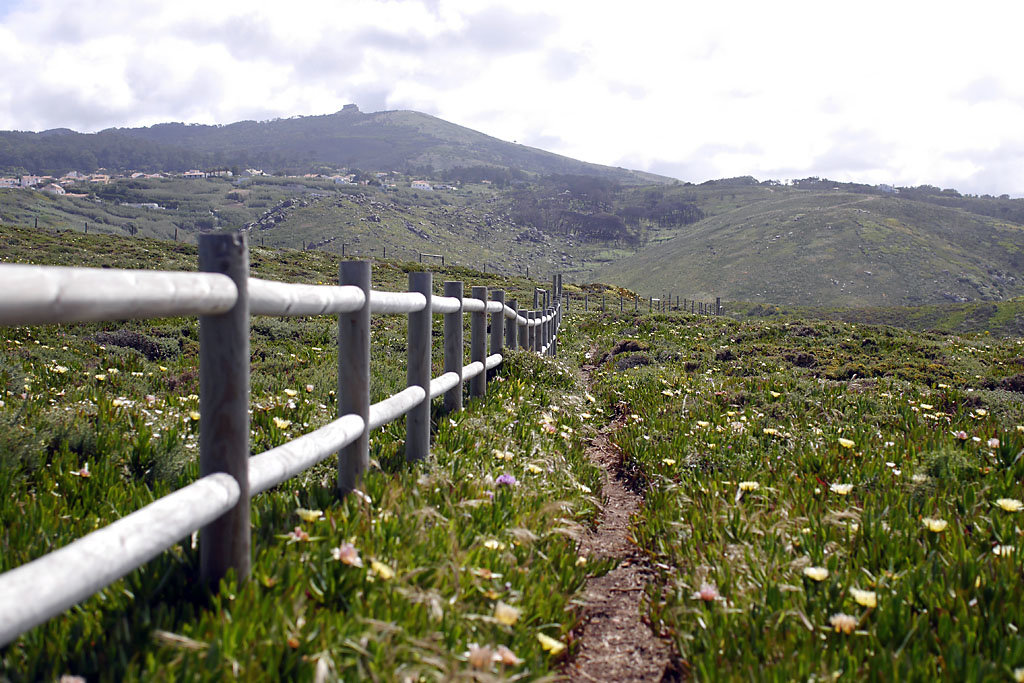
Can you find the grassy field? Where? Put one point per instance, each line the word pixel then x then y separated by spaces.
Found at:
pixel 823 499
pixel 437 564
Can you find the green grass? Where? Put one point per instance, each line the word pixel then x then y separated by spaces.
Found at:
pixel 742 445
pixel 93 429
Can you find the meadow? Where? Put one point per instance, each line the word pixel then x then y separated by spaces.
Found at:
pixel 823 500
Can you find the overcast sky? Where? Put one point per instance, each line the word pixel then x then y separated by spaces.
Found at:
pixel 879 92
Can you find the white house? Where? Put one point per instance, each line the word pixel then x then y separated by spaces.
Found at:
pixel 9 182
pixel 53 188
pixel 420 185
pixel 193 174
pixel 31 180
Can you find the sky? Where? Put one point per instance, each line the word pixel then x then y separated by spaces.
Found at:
pixel 899 92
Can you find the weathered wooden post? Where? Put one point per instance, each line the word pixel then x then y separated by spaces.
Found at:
pixel 529 331
pixel 718 305
pixel 497 326
pixel 385 250
pixel 536 297
pixel 478 343
pixel 354 375
pixel 650 305
pixel 511 340
pixel 522 332
pixel 538 334
pixel 527 272
pixel 453 347
pixel 226 542
pixel 691 306
pixel 417 420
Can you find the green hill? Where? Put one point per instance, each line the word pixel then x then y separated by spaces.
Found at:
pixel 387 140
pixel 829 247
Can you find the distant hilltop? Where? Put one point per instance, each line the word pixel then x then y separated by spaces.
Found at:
pixel 396 140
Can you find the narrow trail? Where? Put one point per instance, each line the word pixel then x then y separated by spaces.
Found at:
pixel 615 645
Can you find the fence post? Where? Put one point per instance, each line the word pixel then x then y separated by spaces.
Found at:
pixel 522 332
pixel 510 326
pixel 718 305
pixel 650 305
pixel 529 331
pixel 478 343
pixel 497 325
pixel 354 375
pixel 536 297
pixel 538 331
pixel 417 420
pixel 453 348
pixel 226 542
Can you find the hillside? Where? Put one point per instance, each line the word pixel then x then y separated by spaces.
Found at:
pixel 812 498
pixel 825 247
pixel 388 140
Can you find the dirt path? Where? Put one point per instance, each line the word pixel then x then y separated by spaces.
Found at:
pixel 615 645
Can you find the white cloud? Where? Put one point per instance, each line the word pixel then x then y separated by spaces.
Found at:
pixel 908 92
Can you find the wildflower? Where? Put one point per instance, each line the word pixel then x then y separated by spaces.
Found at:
pixel 506 614
pixel 492 544
pixel 841 489
pixel 993 443
pixel 362 496
pixel 1002 550
pixel 550 644
pixel 507 657
pixel 935 525
pixel 291 393
pixel 581 560
pixel 506 480
pixel 962 435
pixel 703 424
pixel 749 486
pixel 309 515
pixel 507 456
pixel 980 412
pixel 584 488
pixel 346 553
pixel 770 431
pixel 847 443
pixel 775 394
pixel 382 570
pixel 708 592
pixel 843 623
pixel 816 573
pixel 194 415
pixel 1010 504
pixel 101 377
pixel 926 406
pixel 83 473
pixel 162 368
pixel 668 461
pixel 297 535
pixel 480 657
pixel 309 388
pixel 282 424
pixel 864 598
pixel 59 369
pixel 533 469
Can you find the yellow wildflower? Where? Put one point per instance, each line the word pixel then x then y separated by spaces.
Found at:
pixel 864 598
pixel 382 570
pixel 749 486
pixel 282 424
pixel 935 525
pixel 841 489
pixel 847 443
pixel 309 515
pixel 291 392
pixel 550 644
pixel 843 623
pixel 816 573
pixel 668 461
pixel 506 614
pixel 101 377
pixel 194 415
pixel 1010 504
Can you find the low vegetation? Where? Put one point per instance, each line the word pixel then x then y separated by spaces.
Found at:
pixel 824 499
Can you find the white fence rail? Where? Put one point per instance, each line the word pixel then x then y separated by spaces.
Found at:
pixel 225 297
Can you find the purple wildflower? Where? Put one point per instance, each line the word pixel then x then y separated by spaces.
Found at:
pixel 506 480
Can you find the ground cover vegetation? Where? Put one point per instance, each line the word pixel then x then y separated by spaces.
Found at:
pixel 822 499
pixel 465 565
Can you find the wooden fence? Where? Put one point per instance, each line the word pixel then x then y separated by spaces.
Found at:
pixel 225 297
